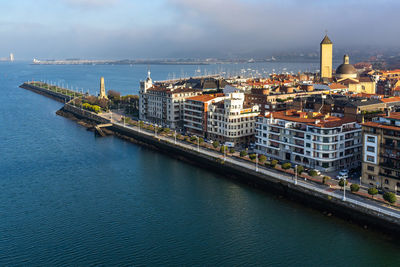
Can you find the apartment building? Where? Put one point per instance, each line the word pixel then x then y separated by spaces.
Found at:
pixel 381 152
pixel 221 117
pixel 326 143
pixel 163 105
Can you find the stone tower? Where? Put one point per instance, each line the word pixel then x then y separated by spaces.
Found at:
pixel 326 58
pixel 102 89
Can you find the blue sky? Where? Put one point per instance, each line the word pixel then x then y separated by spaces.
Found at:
pixel 179 28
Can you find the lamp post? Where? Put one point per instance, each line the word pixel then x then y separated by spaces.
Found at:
pixel 344 189
pixel 295 174
pixel 155 130
pixel 139 125
pixel 224 153
pixel 175 136
pixel 198 144
pixel 256 162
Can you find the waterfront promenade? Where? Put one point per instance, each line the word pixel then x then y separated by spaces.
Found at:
pixel 334 196
pixel 353 199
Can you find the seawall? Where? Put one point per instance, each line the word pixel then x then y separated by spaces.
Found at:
pixel 363 216
pixel 51 94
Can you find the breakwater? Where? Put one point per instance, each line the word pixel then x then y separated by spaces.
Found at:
pixel 302 192
pixel 60 97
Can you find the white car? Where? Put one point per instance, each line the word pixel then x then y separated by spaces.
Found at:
pixel 342 176
pixel 344 172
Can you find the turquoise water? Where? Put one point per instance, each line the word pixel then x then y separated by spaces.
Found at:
pixel 70 199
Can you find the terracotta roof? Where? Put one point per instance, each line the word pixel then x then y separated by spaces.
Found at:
pixel 318 120
pixel 205 98
pixel 337 86
pixel 381 125
pixel 391 99
pixel 393 115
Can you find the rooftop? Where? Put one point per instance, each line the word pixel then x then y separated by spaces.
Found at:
pixel 311 118
pixel 205 98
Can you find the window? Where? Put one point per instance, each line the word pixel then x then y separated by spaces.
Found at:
pixel 370 158
pixel 370 148
pixel 308 145
pixel 371 177
pixel 371 139
pixel 386 181
pixel 370 168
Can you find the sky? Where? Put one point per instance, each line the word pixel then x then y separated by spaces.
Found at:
pixel 131 29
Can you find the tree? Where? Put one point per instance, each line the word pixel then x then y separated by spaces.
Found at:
pixel 243 153
pixel 252 156
pixel 312 173
pixel 300 169
pixel 231 150
pixel 114 95
pixel 286 166
pixel 201 140
pixel 215 144
pixel 354 187
pixel 193 138
pixel 262 158
pixel 325 179
pixel 390 197
pixel 372 191
pixel 166 130
pixel 223 149
pixel 341 182
pixel 273 163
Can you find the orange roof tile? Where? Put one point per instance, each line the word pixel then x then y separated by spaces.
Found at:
pixel 391 99
pixel 337 86
pixel 205 98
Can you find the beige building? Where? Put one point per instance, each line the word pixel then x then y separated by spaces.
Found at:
pixel 347 74
pixel 381 153
pixel 326 58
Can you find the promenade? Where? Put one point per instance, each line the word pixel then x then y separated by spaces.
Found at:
pixel 329 192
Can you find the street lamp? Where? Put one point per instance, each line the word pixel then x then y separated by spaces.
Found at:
pixel 295 174
pixel 175 137
pixel 344 189
pixel 256 162
pixel 198 144
pixel 224 153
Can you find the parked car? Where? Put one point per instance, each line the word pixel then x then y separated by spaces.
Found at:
pixel 344 172
pixel 342 176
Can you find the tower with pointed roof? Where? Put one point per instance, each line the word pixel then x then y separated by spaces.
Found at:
pixel 326 58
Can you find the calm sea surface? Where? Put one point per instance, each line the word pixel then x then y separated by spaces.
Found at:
pixel 70 199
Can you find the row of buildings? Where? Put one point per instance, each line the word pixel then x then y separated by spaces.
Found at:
pixel 323 121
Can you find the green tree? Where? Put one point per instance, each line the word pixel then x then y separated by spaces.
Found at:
pixel 372 191
pixel 390 197
pixel 201 140
pixel 243 153
pixel 252 156
pixel 231 150
pixel 354 187
pixel 312 173
pixel 193 138
pixel 300 169
pixel 273 163
pixel 325 179
pixel 262 158
pixel 286 166
pixel 341 182
pixel 166 130
pixel 215 144
pixel 223 149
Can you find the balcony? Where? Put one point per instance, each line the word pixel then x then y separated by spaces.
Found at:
pixel 275 130
pixel 395 156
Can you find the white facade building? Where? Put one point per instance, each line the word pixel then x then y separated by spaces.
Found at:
pixel 221 118
pixel 161 105
pixel 310 139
